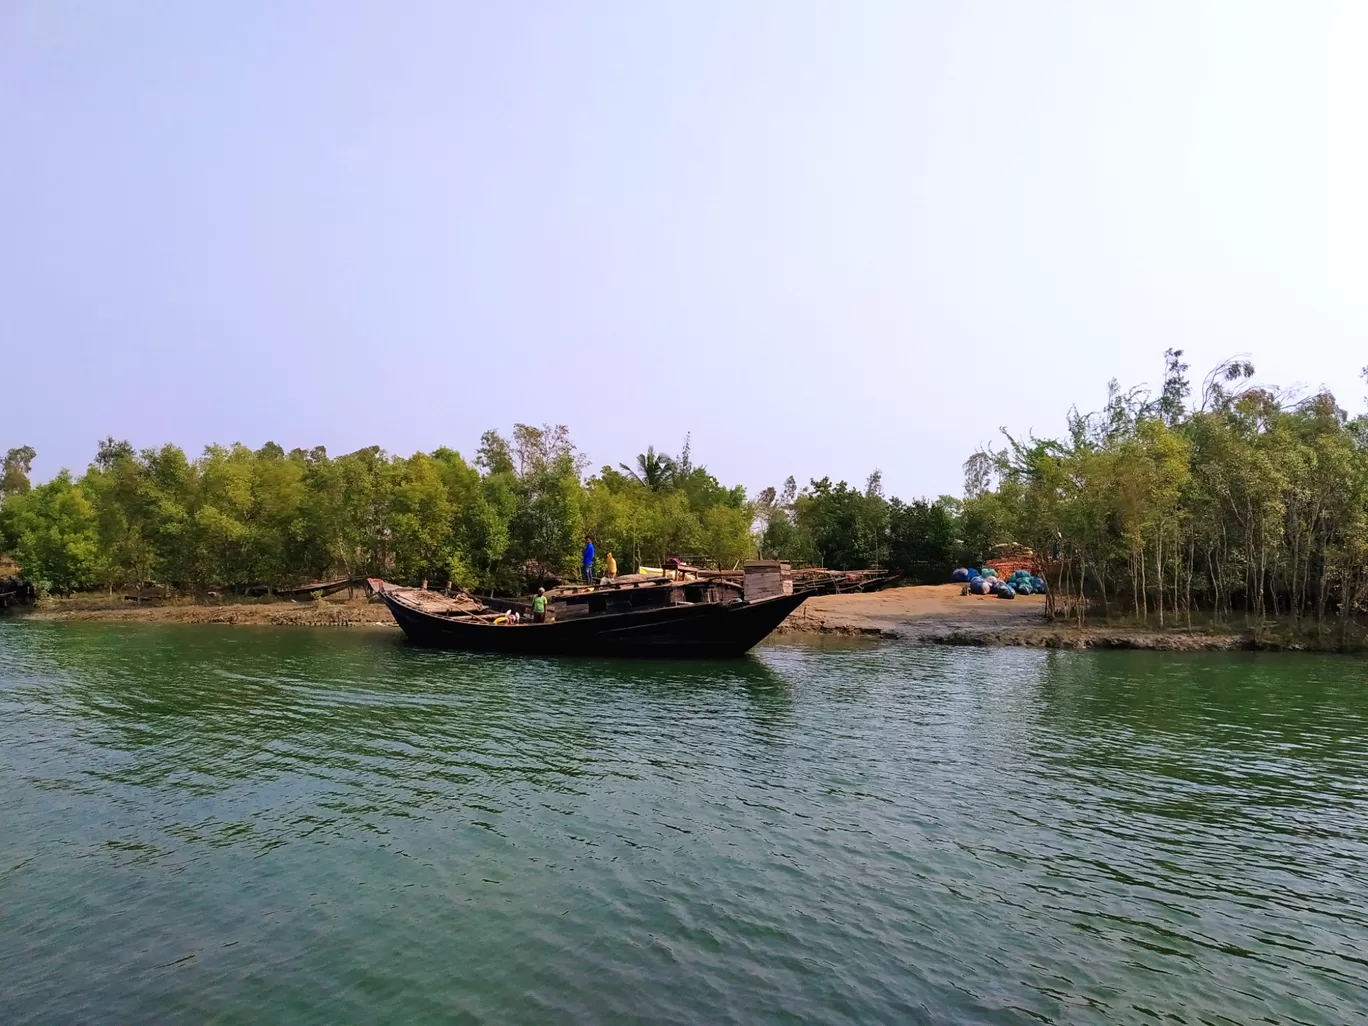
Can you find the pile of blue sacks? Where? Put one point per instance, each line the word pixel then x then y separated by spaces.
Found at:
pixel 986 582
pixel 1026 583
pixel 981 582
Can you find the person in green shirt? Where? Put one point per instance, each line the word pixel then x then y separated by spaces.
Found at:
pixel 539 606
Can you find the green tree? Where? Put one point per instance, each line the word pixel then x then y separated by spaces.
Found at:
pixel 924 542
pixel 14 472
pixel 114 484
pixel 421 519
pixel 57 543
pixel 653 470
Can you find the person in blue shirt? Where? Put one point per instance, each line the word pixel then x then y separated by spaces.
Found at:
pixel 588 560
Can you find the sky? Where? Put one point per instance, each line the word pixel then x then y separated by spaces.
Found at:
pixel 819 237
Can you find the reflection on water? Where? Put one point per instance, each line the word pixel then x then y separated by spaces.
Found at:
pixel 324 826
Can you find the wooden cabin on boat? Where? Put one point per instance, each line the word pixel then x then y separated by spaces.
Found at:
pixel 767 578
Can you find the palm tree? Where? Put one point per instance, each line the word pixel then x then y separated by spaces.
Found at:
pixel 653 470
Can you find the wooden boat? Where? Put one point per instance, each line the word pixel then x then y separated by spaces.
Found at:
pixel 15 591
pixel 322 587
pixel 813 580
pixel 629 617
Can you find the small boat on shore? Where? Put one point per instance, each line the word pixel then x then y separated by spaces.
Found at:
pixel 632 616
pixel 15 591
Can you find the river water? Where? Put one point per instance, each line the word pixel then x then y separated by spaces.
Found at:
pixel 245 825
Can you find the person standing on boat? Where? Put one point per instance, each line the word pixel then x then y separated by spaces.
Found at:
pixel 588 560
pixel 539 606
pixel 611 569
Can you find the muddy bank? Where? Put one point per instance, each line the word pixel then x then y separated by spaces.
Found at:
pixel 343 613
pixel 1048 636
pixel 940 615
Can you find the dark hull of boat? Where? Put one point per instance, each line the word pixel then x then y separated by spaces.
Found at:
pixel 705 630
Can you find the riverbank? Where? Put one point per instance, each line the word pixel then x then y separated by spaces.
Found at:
pixel 940 615
pixel 337 612
pixel 926 615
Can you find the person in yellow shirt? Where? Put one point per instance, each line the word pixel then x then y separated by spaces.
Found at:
pixel 612 566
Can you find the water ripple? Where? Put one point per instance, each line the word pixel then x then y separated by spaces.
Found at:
pixel 323 826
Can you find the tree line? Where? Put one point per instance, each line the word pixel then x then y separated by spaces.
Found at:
pixel 1241 502
pixel 514 515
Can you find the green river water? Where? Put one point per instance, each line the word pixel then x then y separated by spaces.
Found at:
pixel 244 825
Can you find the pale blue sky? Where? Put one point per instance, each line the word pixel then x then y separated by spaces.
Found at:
pixel 823 237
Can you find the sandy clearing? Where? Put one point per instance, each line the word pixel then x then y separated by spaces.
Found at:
pixel 916 611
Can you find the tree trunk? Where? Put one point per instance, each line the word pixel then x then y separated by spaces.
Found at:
pixel 1144 588
pixel 1159 570
pixel 1191 568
